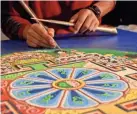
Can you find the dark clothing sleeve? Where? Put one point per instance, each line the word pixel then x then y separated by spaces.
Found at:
pixel 11 21
pixel 14 18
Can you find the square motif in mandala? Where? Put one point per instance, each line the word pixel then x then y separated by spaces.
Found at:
pixel 128 106
pixel 132 76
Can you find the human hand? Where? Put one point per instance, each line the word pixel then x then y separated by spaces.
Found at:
pixel 36 36
pixel 85 20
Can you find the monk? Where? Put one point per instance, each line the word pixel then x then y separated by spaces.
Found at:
pixel 17 23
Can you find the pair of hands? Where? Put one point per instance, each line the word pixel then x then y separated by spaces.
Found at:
pixel 85 21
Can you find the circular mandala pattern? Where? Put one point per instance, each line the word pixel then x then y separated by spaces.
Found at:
pixel 68 84
pixel 68 88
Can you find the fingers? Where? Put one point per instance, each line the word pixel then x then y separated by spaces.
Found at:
pixel 38 36
pixel 35 43
pixel 36 39
pixel 74 18
pixel 51 32
pixel 44 34
pixel 85 20
pixel 31 44
pixel 81 19
pixel 86 25
pixel 32 33
pixel 93 26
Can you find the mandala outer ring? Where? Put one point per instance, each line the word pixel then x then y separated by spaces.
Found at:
pixel 82 84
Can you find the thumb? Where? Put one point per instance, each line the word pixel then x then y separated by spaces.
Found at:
pixel 74 18
pixel 51 32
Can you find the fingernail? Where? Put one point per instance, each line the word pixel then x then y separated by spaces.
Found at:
pixel 71 20
pixel 52 42
pixel 51 34
pixel 75 32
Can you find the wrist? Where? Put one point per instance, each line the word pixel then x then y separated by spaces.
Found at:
pixel 95 10
pixel 25 31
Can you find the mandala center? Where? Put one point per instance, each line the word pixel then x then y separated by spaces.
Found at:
pixel 68 84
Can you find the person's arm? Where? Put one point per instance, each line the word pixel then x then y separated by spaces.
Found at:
pixel 11 22
pixel 15 26
pixel 105 6
pixel 86 20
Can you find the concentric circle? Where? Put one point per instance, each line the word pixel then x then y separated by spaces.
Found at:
pixel 68 84
pixel 68 88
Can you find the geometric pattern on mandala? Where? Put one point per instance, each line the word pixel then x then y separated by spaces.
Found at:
pixel 132 76
pixel 128 106
pixel 8 108
pixel 97 111
pixel 40 90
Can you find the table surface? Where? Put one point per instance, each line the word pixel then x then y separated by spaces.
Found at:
pixel 123 41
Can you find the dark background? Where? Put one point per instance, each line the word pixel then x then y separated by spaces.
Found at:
pixel 124 13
